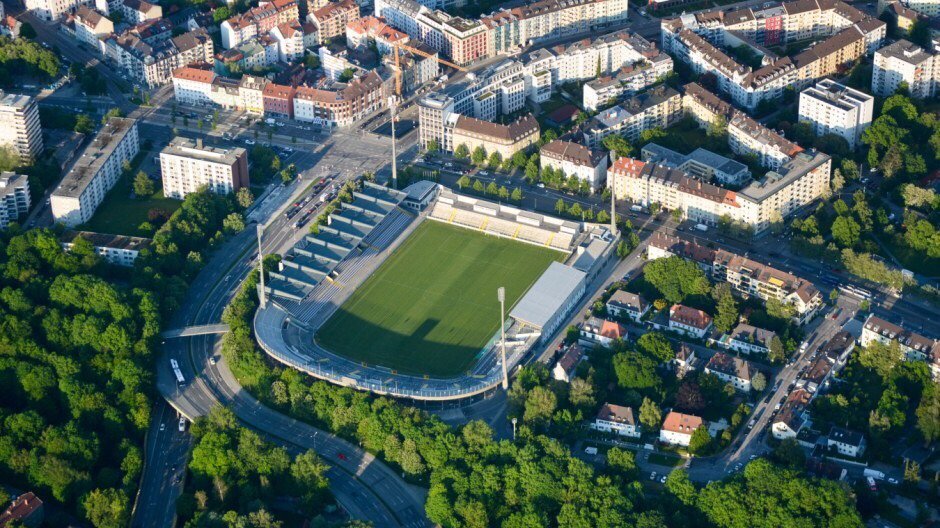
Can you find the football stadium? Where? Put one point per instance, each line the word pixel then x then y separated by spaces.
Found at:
pixel 397 292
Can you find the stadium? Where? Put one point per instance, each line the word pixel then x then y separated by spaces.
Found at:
pixel 397 292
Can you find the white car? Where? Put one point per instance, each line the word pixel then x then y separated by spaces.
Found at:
pixel 212 360
pixel 662 479
pixel 182 424
pixel 653 476
pixel 249 141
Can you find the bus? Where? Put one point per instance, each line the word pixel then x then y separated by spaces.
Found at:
pixel 179 376
pixel 174 364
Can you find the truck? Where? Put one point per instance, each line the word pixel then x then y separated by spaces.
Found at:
pixel 701 227
pixel 873 473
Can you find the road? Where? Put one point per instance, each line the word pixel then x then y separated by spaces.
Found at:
pixel 167 450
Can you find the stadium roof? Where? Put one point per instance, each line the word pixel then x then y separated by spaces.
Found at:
pixel 547 296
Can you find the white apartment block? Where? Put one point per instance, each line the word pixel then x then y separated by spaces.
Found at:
pixel 914 346
pixel 290 42
pixel 187 166
pixel 153 64
pixel 576 160
pixel 95 172
pixel 658 107
pixel 51 10
pixel 91 26
pixel 833 108
pixel 677 428
pixel 551 19
pixel 906 62
pixel 14 197
pixel 19 125
pixel 731 369
pixel 118 250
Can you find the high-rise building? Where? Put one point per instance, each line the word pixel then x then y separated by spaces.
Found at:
pixel 14 197
pixel 906 62
pixel 188 165
pixel 833 108
pixel 95 172
pixel 19 125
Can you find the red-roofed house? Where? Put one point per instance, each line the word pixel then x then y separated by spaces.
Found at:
pixel 564 369
pixel 677 428
pixel 689 321
pixel 279 100
pixel 26 509
pixel 596 331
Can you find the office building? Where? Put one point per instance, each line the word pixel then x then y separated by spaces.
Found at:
pixel 187 166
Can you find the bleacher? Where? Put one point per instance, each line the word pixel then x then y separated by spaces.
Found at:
pixel 315 257
pixel 505 221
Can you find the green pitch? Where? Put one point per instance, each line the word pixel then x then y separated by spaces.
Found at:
pixel 431 307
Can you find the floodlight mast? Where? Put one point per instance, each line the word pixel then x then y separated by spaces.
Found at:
pixel 261 299
pixel 501 295
pixel 393 105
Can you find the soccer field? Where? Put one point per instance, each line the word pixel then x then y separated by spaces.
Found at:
pixel 431 307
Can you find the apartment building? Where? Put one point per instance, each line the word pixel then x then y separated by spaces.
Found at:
pixel 904 61
pixel 515 27
pixel 627 305
pixel 731 369
pixel 332 19
pixel 118 250
pixel 137 11
pixel 627 81
pixel 19 125
pixel 52 10
pixel 95 172
pixel 459 39
pixel 689 321
pixel 914 346
pixel 9 25
pixel 567 364
pixel 700 163
pixel 153 64
pixel 341 104
pixel 748 339
pixel 677 428
pixel 258 21
pixel 290 41
pixel 505 140
pixel 14 197
pixel 746 277
pixel 574 159
pixel 91 26
pixel 658 107
pixel 697 39
pixel 365 31
pixel 833 108
pixel 187 165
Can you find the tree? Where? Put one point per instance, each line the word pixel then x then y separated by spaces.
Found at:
pixel 461 152
pixel 432 146
pixel 516 195
pixel 676 278
pixel 346 75
pixel 618 145
pixel 727 315
pixel 107 508
pixel 657 346
pixel 518 160
pixel 575 210
pixel 9 159
pixel 143 185
pixel 650 414
pixel 503 193
pixel 479 156
pixel 495 160
pixel 83 124
pixel 635 371
pixel 581 393
pixel 531 172
pixel 700 441
pixel 789 454
pixel 928 414
pixel 718 127
pixel 689 397
pixel 463 182
pixel 478 186
pixel 233 223
pixel 244 197
pixel 622 462
pixel 777 353
pixel 758 382
pixel 492 188
pixel 560 206
pixel 838 182
pixel 540 404
pixel 915 196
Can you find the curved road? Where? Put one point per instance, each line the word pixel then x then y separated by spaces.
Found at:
pixel 364 486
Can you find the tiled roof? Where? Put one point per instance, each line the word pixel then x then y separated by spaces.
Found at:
pixel 677 422
pixel 616 413
pixel 689 316
pixel 573 152
pixel 730 365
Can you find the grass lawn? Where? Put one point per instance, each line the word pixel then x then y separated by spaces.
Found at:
pixel 664 460
pixel 120 214
pixel 431 307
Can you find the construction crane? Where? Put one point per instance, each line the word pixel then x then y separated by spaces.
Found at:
pixel 416 51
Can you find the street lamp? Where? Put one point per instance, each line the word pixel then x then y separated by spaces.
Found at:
pixel 514 419
pixel 501 295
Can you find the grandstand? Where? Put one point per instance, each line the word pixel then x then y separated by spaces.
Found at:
pixel 315 257
pixel 505 221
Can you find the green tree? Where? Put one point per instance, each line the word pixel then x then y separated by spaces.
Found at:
pixel 143 185
pixel 478 186
pixel 622 462
pixel 560 206
pixel 83 124
pixel 928 414
pixel 244 197
pixel 531 172
pixel 700 441
pixel 432 146
pixel 777 353
pixel 540 404
pixel 656 346
pixel 727 315
pixel 107 508
pixel 518 160
pixel 463 182
pixel 479 156
pixel 346 75
pixel 516 195
pixel 635 371
pixel 676 278
pixel 758 382
pixel 492 188
pixel 618 145
pixel 461 152
pixel 233 223
pixel 495 160
pixel 650 414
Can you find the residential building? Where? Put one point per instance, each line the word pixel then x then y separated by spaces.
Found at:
pixel 574 159
pixel 26 510
pixel 904 61
pixel 188 166
pixel 95 172
pixel 685 361
pixel 362 32
pixel 702 164
pixel 746 277
pixel 625 82
pixel 627 305
pixel 747 339
pixel 19 125
pixel 913 346
pixel 279 100
pixel 677 428
pixel 290 41
pixel 689 321
pixel 790 420
pixel 153 64
pixel 659 107
pixel 14 197
pixel 137 11
pixel 731 369
pixel 258 21
pixel 833 108
pixel 830 359
pixel 341 104
pixel 118 250
pixel 505 140
pixel 565 367
pixel 331 20
pixel 603 332
pixel 91 26
pixel 9 26
pixel 846 442
pixel 616 419
pixel 416 68
pixel 52 10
